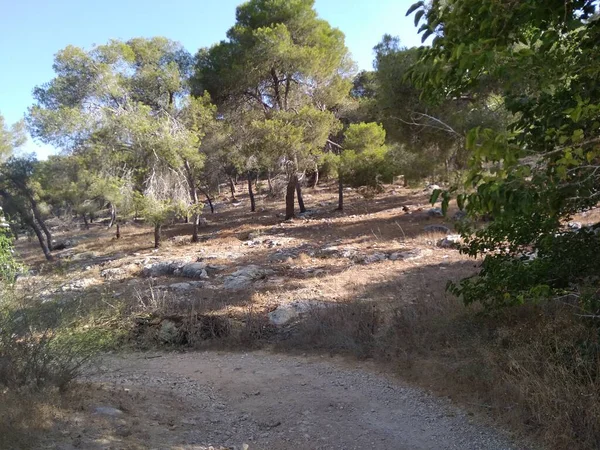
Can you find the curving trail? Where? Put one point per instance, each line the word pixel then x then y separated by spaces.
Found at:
pixel 268 401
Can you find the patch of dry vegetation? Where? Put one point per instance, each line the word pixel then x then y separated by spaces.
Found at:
pixel 535 368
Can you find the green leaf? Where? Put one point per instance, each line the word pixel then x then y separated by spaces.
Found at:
pixel 460 201
pixel 414 7
pixel 418 16
pixel 435 195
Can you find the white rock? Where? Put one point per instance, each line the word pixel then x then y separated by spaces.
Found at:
pixel 180 286
pixel 108 411
pixel 194 270
pixel 450 241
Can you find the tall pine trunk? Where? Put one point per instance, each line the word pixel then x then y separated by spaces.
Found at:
pixel 191 181
pixel 208 199
pixel 29 220
pixel 118 232
pixel 232 187
pixel 316 180
pixel 157 234
pixel 40 237
pixel 289 197
pixel 250 193
pixel 340 194
pixel 38 217
pixel 300 199
pixel 269 181
pixel 113 215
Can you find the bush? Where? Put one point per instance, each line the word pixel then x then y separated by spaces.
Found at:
pixel 368 168
pixel 538 265
pixel 35 356
pixel 415 166
pixel 8 265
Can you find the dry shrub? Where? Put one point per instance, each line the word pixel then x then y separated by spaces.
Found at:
pixel 254 329
pixel 189 330
pixel 349 327
pixel 536 368
pixel 34 355
pixel 25 417
pixel 161 318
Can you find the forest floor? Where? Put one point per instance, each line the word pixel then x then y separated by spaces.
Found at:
pixel 230 341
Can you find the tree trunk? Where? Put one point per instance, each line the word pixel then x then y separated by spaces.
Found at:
pixel 289 197
pixel 195 227
pixel 85 221
pixel 113 215
pixel 157 232
pixel 269 181
pixel 38 217
pixel 208 199
pixel 340 194
pixel 316 180
pixel 232 187
pixel 251 194
pixel 300 199
pixel 14 230
pixel 29 220
pixel 40 237
pixel 118 233
pixel 191 180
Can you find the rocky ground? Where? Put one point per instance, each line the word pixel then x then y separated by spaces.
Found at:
pixel 263 401
pixel 391 251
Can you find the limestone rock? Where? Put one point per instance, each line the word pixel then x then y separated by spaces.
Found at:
pixel 450 241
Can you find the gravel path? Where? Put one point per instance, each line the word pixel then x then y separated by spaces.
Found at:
pixel 193 400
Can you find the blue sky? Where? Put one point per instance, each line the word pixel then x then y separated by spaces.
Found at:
pixel 32 31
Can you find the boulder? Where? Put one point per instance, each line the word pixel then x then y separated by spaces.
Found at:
pixel 286 313
pixel 283 315
pixel 375 257
pixel 245 276
pixel 159 269
pixel 450 241
pixel 194 270
pixel 435 212
pixel 180 286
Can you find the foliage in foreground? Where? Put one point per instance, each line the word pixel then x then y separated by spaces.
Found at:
pixel 542 59
pixel 37 349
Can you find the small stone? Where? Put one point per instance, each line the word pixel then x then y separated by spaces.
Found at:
pixel 108 411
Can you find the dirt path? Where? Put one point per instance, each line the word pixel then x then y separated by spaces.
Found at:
pixel 193 400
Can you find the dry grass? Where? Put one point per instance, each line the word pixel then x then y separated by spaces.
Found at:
pixel 535 369
pixel 26 416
